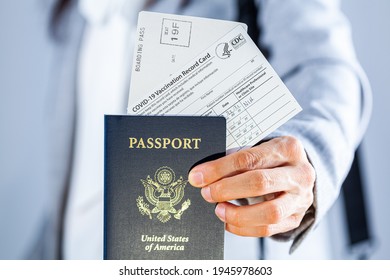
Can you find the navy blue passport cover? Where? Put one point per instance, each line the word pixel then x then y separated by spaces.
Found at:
pixel 150 209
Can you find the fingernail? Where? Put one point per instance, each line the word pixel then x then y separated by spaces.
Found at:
pixel 206 194
pixel 220 211
pixel 196 179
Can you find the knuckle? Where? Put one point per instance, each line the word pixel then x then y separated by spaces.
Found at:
pixel 296 221
pixel 293 147
pixel 245 160
pixel 260 182
pixel 293 142
pixel 276 213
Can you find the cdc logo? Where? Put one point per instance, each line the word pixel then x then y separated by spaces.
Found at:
pixel 238 41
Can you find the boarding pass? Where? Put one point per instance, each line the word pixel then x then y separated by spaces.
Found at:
pixel 231 78
pixel 166 42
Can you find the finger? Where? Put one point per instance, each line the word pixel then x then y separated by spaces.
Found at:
pixel 286 225
pixel 264 213
pixel 276 152
pixel 253 183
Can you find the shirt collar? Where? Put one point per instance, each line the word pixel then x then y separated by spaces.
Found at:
pixel 99 11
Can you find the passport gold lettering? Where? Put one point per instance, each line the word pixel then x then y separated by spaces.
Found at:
pixel 164 238
pixel 164 242
pixel 165 143
pixel 169 247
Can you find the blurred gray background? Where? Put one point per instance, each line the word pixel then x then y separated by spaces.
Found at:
pixel 370 23
pixel 26 55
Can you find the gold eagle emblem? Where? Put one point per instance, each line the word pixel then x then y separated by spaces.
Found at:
pixel 164 193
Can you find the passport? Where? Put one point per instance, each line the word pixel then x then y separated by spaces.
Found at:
pixel 151 212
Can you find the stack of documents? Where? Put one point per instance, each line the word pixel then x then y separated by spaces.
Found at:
pixel 205 67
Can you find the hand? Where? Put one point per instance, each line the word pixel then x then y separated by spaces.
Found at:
pixel 277 170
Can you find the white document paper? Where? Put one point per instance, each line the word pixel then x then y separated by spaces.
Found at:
pixel 166 42
pixel 230 78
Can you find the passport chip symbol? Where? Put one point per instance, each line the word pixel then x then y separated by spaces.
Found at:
pixel 163 193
